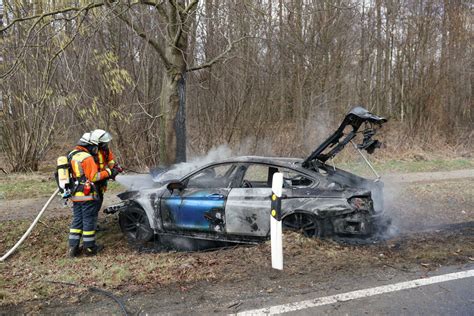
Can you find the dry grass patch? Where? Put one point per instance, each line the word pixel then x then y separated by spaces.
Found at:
pixel 120 269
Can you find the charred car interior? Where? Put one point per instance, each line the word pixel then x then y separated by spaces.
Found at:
pixel 229 200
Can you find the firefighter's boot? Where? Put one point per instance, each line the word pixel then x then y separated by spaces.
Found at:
pixel 92 251
pixel 74 251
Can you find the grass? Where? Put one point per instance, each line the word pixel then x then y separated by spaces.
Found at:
pixel 25 188
pixel 407 166
pixel 33 185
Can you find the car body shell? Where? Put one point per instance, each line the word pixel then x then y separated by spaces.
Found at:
pixel 242 214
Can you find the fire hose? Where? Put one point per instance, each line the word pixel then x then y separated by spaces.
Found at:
pixel 5 256
pixel 27 233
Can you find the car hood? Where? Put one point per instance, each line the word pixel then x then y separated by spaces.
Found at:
pixel 338 140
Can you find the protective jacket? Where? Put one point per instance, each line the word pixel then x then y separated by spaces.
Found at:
pixel 105 160
pixel 84 173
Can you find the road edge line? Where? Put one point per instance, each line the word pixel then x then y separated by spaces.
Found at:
pixel 343 297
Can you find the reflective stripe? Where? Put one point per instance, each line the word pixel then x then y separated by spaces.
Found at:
pixel 104 174
pixel 82 198
pixel 88 239
pixel 76 162
pixel 103 164
pixel 75 230
pixel 80 156
pixel 81 194
pixel 88 233
pixel 74 236
pixel 75 169
pixel 81 170
pixel 111 163
pixel 101 160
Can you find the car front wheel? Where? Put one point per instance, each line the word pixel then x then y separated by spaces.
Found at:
pixel 135 225
pixel 305 223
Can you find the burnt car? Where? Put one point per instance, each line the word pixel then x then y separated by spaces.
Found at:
pixel 229 200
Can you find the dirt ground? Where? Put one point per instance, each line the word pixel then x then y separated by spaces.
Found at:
pixel 433 217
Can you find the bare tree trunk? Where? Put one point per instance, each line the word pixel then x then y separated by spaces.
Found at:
pixel 172 104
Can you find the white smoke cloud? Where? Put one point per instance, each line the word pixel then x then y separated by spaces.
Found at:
pixel 135 181
pixel 162 175
pixel 179 170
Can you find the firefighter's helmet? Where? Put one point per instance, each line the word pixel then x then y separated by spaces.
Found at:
pixel 87 140
pixel 99 136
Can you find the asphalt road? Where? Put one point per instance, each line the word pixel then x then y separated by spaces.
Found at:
pixel 449 298
pixel 443 297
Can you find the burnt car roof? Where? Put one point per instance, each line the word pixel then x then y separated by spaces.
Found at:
pixel 264 159
pixel 288 162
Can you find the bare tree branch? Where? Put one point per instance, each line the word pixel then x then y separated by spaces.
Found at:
pixel 218 58
pixel 190 7
pixel 23 49
pixel 159 8
pixel 183 16
pixel 46 14
pixel 143 35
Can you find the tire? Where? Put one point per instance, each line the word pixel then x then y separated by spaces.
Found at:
pixel 302 222
pixel 134 224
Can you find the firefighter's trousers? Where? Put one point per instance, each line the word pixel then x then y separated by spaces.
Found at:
pixel 83 224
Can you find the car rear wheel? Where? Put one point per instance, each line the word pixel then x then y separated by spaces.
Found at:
pixel 135 225
pixel 305 223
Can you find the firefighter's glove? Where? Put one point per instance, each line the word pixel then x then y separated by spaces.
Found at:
pixel 118 167
pixel 113 173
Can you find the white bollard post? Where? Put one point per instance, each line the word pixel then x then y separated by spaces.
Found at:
pixel 275 222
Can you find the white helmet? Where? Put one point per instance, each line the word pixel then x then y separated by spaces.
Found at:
pixel 87 140
pixel 100 136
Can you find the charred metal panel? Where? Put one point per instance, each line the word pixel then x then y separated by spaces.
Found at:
pixel 321 207
pixel 349 180
pixel 248 211
pixel 353 224
pixel 195 209
pixel 314 192
pixel 149 200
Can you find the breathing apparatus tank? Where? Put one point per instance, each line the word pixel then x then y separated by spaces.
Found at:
pixel 63 176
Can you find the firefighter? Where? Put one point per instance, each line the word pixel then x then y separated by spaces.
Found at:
pixel 105 159
pixel 84 196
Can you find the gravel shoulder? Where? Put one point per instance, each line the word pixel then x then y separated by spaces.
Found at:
pixel 429 176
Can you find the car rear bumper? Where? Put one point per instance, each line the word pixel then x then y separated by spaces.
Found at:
pixel 360 224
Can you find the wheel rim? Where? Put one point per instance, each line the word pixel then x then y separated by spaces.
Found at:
pixel 135 224
pixel 301 222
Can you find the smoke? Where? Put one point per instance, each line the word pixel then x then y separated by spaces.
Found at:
pixel 408 212
pixel 161 175
pixel 390 196
pixel 317 127
pixel 176 171
pixel 136 182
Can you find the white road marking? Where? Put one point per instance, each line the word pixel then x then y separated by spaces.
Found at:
pixel 291 307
